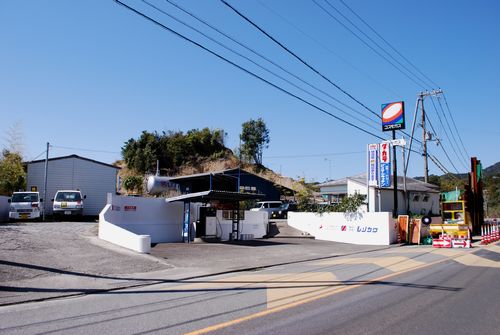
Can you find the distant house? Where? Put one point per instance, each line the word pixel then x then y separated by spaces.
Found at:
pixel 422 198
pixel 94 179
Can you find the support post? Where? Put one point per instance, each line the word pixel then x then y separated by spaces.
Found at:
pixel 395 177
pixel 45 180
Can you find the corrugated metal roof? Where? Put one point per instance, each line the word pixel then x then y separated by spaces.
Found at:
pixel 75 156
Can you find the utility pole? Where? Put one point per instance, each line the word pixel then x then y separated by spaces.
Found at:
pixel 420 100
pixel 45 177
pixel 424 141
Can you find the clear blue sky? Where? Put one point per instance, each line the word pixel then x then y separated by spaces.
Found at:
pixel 91 75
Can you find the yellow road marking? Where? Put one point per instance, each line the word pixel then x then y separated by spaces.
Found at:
pixel 473 260
pixel 303 301
pixel 391 263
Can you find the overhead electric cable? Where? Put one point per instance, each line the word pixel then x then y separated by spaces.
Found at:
pixel 413 79
pixel 446 131
pixel 82 149
pixel 318 155
pixel 455 125
pixel 258 65
pixel 297 57
pixel 442 146
pixel 265 58
pixel 242 68
pixel 329 50
pixel 389 44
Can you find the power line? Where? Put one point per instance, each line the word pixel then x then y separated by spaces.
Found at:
pixel 243 69
pixel 297 57
pixel 455 125
pixel 318 155
pixel 325 47
pixel 260 66
pixel 82 149
pixel 414 80
pixel 442 146
pixel 263 57
pixel 445 130
pixel 389 44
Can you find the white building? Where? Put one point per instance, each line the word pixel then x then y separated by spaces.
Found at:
pixel 94 179
pixel 423 198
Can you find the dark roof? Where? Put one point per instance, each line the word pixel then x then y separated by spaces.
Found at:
pixel 224 177
pixel 215 195
pixel 74 156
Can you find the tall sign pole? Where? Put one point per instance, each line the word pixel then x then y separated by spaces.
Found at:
pixel 393 118
pixel 45 180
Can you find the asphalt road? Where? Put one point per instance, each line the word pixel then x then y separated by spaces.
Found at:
pixel 401 290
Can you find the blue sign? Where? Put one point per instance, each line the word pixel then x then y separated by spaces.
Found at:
pixel 385 175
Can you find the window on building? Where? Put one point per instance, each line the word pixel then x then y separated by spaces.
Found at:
pixel 416 198
pixel 425 198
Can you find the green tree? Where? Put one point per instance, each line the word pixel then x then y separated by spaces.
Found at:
pixel 12 174
pixel 255 137
pixel 133 184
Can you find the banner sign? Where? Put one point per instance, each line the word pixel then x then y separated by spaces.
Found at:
pixel 385 164
pixel 373 164
pixel 393 116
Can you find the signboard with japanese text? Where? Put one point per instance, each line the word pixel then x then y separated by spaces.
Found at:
pixel 393 116
pixel 385 164
pixel 373 164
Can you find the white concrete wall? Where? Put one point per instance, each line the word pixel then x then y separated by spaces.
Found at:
pixel 93 179
pixel 4 208
pixel 255 223
pixel 355 228
pixel 120 236
pixel 150 216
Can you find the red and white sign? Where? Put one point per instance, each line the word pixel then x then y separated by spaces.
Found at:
pixel 441 242
pixel 458 243
pixel 385 153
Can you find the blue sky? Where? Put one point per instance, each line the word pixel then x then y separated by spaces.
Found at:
pixel 90 75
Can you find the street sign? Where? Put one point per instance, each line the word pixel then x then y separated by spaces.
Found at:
pixel 393 116
pixel 385 164
pixel 373 164
pixel 400 142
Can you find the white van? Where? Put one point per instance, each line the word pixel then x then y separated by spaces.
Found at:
pixel 25 205
pixel 68 203
pixel 266 206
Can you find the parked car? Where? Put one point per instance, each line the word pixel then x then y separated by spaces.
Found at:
pixel 25 205
pixel 68 203
pixel 282 211
pixel 266 206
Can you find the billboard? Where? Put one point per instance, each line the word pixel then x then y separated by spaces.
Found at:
pixel 393 116
pixel 373 164
pixel 385 164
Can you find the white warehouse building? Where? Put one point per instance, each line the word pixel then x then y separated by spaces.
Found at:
pixel 94 179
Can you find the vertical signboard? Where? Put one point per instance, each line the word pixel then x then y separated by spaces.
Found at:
pixel 385 164
pixel 373 165
pixel 393 116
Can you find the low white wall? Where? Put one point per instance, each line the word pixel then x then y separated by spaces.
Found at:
pixel 356 228
pixel 4 208
pixel 120 236
pixel 143 216
pixel 254 222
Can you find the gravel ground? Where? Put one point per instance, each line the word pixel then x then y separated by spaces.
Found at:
pixel 33 249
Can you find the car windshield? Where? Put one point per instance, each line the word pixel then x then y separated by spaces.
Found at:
pixel 25 197
pixel 68 196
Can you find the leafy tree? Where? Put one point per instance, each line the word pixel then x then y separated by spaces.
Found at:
pixel 133 183
pixel 172 149
pixel 255 137
pixel 12 174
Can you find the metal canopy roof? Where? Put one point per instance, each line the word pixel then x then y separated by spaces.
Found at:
pixel 206 196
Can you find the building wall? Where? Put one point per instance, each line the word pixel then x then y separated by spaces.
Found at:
pixel 92 179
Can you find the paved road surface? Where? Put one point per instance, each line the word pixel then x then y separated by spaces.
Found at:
pixel 410 290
